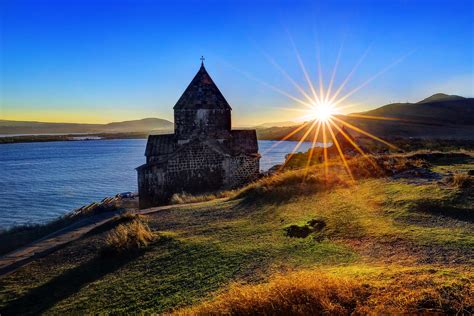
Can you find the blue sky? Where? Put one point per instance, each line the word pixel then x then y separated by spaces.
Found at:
pixel 103 61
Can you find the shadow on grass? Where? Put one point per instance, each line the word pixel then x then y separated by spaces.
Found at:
pixel 19 236
pixel 443 157
pixel 16 237
pixel 454 212
pixel 40 299
pixel 279 194
pixel 117 220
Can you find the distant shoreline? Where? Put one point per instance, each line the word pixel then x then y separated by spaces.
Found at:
pixel 261 135
pixel 5 139
pixel 34 138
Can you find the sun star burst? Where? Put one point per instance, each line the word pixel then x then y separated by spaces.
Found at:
pixel 321 111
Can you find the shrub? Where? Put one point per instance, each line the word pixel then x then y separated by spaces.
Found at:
pixel 128 237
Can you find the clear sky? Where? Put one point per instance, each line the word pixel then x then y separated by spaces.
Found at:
pixel 103 60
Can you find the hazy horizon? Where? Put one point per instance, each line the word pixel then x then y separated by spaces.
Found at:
pixel 296 120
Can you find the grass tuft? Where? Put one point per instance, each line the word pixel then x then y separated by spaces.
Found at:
pixel 128 237
pixel 183 198
pixel 462 180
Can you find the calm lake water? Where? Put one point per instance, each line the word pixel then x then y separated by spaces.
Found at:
pixel 41 181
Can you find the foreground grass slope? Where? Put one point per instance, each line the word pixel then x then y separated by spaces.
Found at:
pixel 388 244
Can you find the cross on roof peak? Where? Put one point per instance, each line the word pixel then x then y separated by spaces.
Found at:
pixel 202 60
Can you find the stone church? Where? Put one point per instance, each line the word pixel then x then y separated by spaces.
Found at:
pixel 204 154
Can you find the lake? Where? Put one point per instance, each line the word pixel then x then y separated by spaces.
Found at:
pixel 41 181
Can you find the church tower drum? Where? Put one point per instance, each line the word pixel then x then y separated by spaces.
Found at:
pixel 202 109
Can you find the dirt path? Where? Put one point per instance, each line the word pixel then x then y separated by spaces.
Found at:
pixel 18 258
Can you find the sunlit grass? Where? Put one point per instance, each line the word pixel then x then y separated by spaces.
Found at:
pixel 310 292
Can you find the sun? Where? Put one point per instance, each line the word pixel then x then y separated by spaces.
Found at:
pixel 322 111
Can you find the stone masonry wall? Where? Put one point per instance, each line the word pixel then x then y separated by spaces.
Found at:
pixel 195 169
pixel 190 122
pixel 151 186
pixel 241 169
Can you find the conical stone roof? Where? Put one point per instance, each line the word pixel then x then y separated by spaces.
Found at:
pixel 202 93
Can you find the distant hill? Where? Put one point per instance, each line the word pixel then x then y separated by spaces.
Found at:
pixel 27 127
pixel 442 97
pixel 276 124
pixel 143 125
pixel 438 116
pixel 439 108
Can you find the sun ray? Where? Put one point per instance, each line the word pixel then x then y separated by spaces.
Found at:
pixel 333 75
pixel 289 78
pixel 354 144
pixel 325 151
pixel 311 151
pixel 299 144
pixel 349 76
pixel 382 118
pixel 336 102
pixel 303 68
pixel 296 130
pixel 341 154
pixel 366 133
pixel 320 72
pixel 270 86
pixel 373 117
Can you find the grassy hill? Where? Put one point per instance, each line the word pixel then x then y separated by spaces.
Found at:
pixel 293 242
pixel 438 109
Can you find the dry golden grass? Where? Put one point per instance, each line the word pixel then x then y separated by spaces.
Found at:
pixel 300 293
pixel 183 198
pixel 461 180
pixel 288 184
pixel 128 216
pixel 308 180
pixel 132 235
pixel 381 166
pixel 316 293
